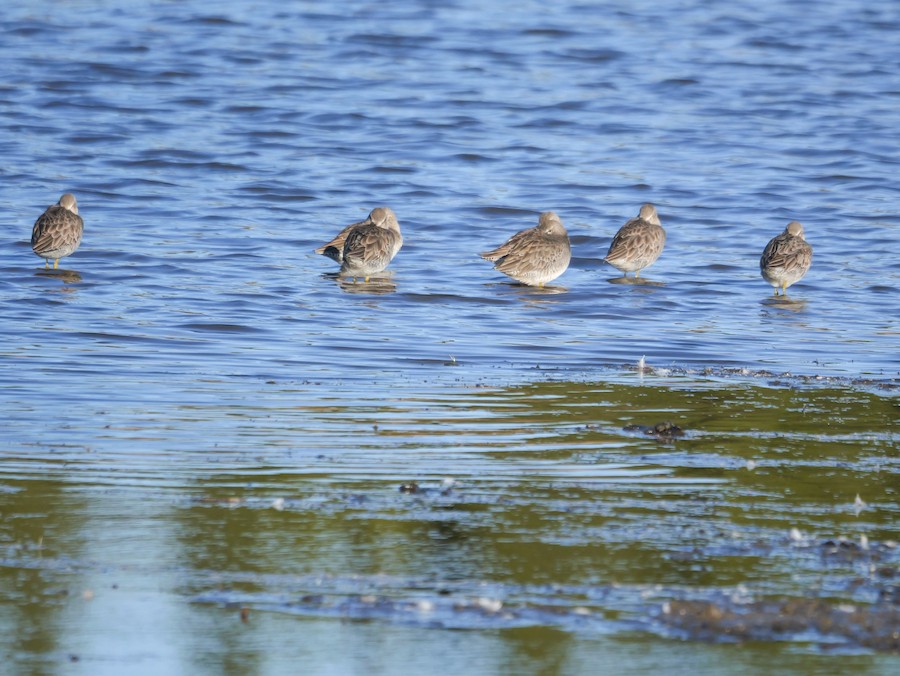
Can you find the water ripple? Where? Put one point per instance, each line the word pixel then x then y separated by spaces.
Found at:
pixel 195 362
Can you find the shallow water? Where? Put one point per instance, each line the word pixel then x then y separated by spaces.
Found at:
pixel 201 418
pixel 526 513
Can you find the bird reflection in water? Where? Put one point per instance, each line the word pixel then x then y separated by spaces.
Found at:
pixel 376 286
pixel 537 296
pixel 783 303
pixel 68 277
pixel 635 281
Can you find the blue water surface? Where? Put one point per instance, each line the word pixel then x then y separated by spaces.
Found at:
pixel 213 146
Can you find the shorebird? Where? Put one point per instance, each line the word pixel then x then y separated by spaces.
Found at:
pixel 534 256
pixel 365 248
pixel 638 243
pixel 57 232
pixel 786 258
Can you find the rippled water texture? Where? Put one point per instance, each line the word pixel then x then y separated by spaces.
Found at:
pixel 215 453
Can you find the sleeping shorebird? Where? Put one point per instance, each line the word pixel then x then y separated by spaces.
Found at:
pixel 57 232
pixel 365 248
pixel 534 256
pixel 786 258
pixel 638 243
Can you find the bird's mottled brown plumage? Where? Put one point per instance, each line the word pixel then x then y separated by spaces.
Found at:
pixel 534 256
pixel 786 258
pixel 638 243
pixel 366 248
pixel 57 232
